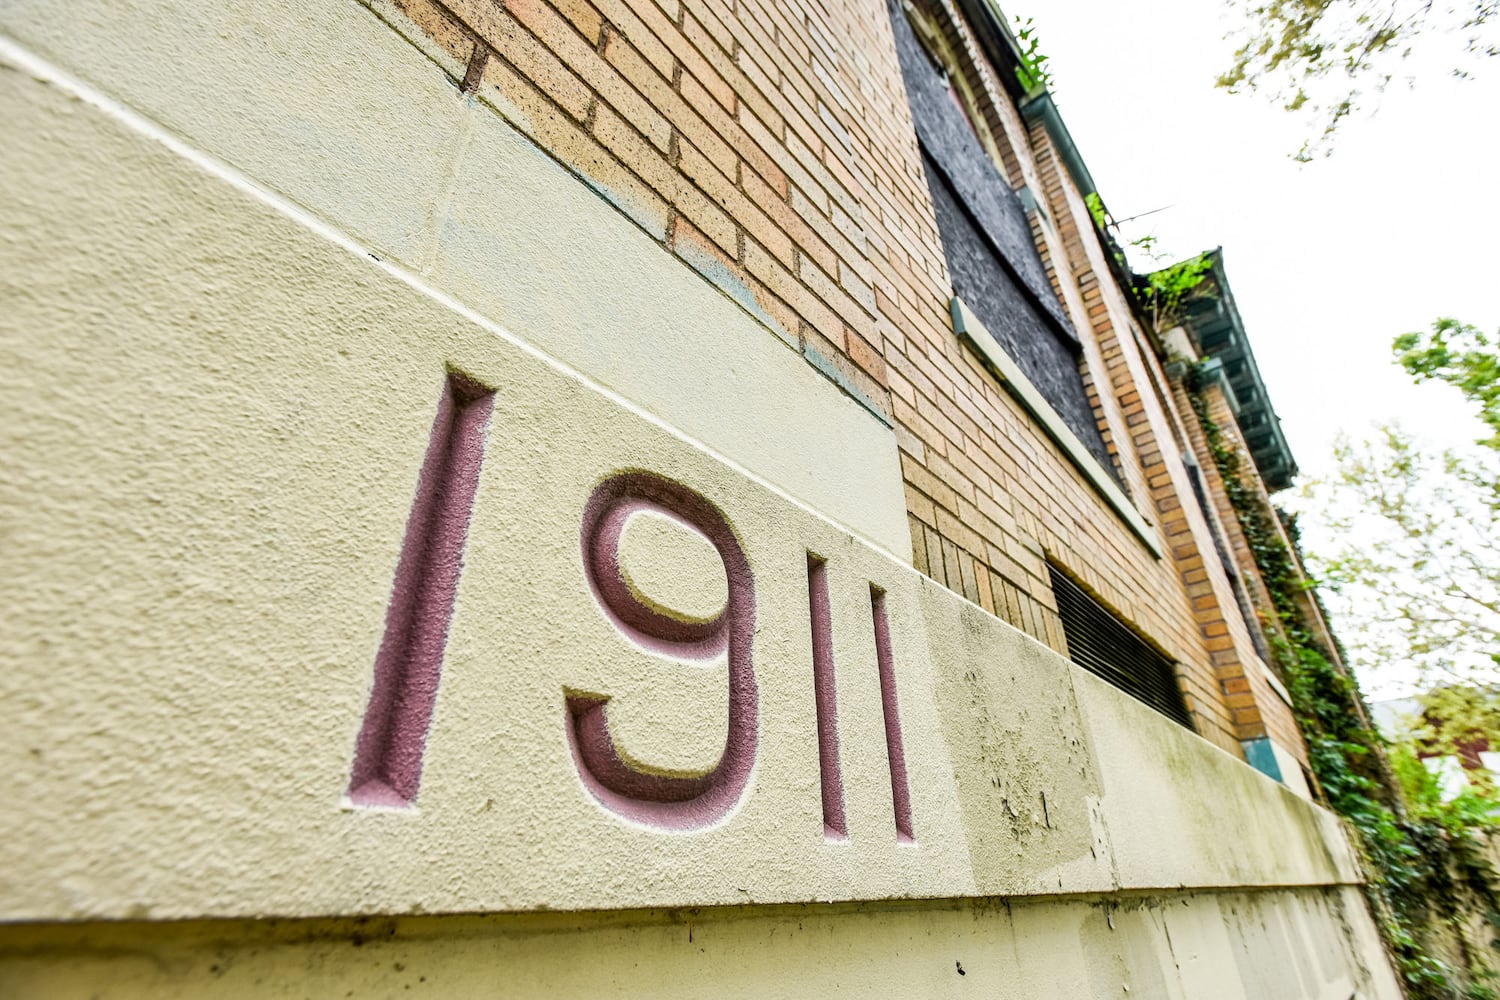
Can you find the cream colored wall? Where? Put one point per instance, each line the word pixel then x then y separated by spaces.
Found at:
pixel 1293 945
pixel 215 405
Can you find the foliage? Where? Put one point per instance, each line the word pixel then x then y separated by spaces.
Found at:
pixel 1419 565
pixel 1097 211
pixel 1457 716
pixel 1420 571
pixel 1105 227
pixel 1032 71
pixel 1330 57
pixel 1164 291
pixel 1424 865
pixel 1462 356
pixel 1420 575
pixel 1454 718
pixel 1452 721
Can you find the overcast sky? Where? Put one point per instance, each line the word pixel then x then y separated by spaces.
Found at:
pixel 1329 260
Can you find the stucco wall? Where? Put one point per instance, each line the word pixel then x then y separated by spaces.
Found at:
pixel 1232 946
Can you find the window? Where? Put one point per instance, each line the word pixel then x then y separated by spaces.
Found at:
pixel 1104 646
pixel 986 236
pixel 1236 584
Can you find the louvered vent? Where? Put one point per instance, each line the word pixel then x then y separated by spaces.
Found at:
pixel 1099 643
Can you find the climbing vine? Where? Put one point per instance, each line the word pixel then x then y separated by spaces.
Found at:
pixel 1163 292
pixel 1032 71
pixel 1421 863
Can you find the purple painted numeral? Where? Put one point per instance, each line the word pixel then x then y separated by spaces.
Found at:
pixel 825 697
pixel 673 801
pixel 895 750
pixel 388 755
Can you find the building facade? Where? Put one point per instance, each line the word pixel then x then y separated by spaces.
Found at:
pixel 621 496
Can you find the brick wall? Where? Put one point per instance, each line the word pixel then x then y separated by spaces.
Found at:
pixel 1257 708
pixel 768 144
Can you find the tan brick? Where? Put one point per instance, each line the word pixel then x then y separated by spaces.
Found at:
pixel 908 442
pixel 920 507
pixel 764 266
pixel 542 20
pixel 788 220
pixel 935 555
pixel 870 393
pixel 1012 596
pixel 701 252
pixel 818 281
pixel 917 475
pixel 641 156
pixel 687 55
pixel 722 189
pixel 864 354
pixel 535 63
pixel 762 84
pixel 624 21
pixel 918 547
pixel 579 13
pixel 624 57
pixel 439 26
pixel 702 65
pixel 952 527
pixel 708 217
pixel 728 129
pixel 715 18
pixel 986 592
pixel 546 124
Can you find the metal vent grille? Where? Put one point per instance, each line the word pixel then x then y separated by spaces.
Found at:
pixel 1099 643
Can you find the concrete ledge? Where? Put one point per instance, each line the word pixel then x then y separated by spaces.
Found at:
pixel 1286 945
pixel 1157 785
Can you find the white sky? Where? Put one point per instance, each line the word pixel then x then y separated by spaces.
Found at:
pixel 1330 260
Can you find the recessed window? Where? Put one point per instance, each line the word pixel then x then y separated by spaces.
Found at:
pixel 987 238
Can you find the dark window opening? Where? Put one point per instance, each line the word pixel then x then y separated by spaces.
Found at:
pixel 1241 595
pixel 1106 647
pixel 988 244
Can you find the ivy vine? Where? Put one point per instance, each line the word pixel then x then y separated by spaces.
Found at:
pixel 1164 292
pixel 1032 70
pixel 1420 869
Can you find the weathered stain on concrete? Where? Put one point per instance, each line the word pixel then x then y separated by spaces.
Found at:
pixel 1291 945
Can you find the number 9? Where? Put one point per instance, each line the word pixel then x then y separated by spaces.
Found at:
pixel 665 800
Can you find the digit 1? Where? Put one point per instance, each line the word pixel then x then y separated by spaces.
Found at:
pixel 894 747
pixel 825 698
pixel 392 740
